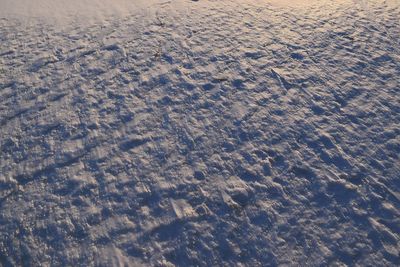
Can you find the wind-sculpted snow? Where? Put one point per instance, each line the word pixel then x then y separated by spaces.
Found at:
pixel 218 133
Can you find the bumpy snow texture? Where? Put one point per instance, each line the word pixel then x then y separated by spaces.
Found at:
pixel 209 133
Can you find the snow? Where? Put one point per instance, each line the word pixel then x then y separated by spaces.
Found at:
pixel 208 133
pixel 71 9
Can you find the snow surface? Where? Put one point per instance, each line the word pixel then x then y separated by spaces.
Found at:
pixel 199 133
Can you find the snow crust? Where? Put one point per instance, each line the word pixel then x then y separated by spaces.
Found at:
pixel 199 133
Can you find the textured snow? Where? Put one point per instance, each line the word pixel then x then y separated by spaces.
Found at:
pixel 199 133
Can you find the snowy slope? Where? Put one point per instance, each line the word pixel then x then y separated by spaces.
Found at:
pixel 199 133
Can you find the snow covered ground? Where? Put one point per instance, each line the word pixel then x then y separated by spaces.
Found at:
pixel 199 133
